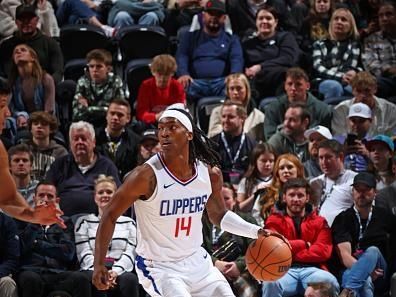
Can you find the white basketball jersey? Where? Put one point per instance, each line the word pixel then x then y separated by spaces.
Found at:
pixel 169 226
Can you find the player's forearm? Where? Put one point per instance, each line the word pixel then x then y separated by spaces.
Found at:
pixel 103 237
pixel 234 224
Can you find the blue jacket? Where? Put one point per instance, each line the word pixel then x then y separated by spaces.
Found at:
pixel 9 247
pixel 207 57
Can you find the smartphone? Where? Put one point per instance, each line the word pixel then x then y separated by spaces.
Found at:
pixel 351 139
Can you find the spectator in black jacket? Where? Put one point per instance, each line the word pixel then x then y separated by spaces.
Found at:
pixel 116 141
pixel 48 254
pixel 269 53
pixel 9 256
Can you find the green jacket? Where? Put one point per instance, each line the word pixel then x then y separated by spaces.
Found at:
pixel 321 114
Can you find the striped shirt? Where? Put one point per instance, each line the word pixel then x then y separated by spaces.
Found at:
pixel 121 248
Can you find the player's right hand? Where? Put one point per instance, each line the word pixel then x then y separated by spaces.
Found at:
pixel 100 278
pixel 267 232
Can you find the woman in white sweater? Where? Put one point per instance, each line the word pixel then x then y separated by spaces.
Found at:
pixel 120 256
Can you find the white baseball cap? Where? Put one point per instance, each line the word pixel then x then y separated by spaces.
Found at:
pixel 360 110
pixel 318 129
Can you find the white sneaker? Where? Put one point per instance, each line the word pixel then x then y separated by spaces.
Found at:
pixel 109 31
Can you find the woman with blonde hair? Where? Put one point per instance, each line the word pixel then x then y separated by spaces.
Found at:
pixel 336 59
pixel 238 90
pixel 286 166
pixel 33 89
pixel 121 253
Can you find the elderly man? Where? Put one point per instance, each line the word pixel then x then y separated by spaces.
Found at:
pixel 364 87
pixel 297 90
pixel 379 56
pixel 74 174
pixel 207 55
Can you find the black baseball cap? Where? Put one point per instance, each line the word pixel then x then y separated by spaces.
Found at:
pixel 151 134
pixel 365 178
pixel 25 10
pixel 215 5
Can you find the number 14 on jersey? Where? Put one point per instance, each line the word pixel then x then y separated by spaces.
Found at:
pixel 183 225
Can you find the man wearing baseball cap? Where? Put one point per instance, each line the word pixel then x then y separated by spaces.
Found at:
pixel 381 150
pixel 208 53
pixel 361 236
pixel 359 121
pixel 315 135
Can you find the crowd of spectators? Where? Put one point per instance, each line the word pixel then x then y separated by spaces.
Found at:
pixel 304 127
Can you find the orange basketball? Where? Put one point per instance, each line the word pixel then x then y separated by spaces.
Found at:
pixel 268 258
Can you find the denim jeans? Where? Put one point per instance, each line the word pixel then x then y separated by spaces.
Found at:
pixel 332 89
pixel 71 11
pixel 200 88
pixel 123 19
pixel 358 277
pixel 296 281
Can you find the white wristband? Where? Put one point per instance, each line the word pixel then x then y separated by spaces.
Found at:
pixel 234 224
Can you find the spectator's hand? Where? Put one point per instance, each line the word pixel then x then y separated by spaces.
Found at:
pixel 391 71
pixel 100 278
pixel 112 278
pixel 358 148
pixel 376 274
pixel 231 272
pixel 347 77
pixel 185 80
pixel 83 101
pixel 252 71
pixel 221 265
pixel 48 214
pixel 41 4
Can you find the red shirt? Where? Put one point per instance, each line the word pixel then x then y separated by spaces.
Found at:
pixel 152 99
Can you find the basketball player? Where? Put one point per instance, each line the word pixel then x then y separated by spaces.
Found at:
pixel 10 200
pixel 170 192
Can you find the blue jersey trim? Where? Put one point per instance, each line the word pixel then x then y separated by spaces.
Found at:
pixel 183 183
pixel 140 264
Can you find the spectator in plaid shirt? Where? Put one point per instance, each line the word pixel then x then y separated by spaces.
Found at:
pixel 335 60
pixel 379 55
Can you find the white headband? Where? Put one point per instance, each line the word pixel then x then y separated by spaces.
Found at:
pixel 181 117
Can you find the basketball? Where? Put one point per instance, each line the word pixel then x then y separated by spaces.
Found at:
pixel 268 258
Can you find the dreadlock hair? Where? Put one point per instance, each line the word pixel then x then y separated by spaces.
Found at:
pixel 200 147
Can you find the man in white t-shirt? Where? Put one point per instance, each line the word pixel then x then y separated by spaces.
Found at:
pixel 332 190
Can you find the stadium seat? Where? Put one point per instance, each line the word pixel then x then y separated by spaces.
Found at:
pixel 204 108
pixel 76 41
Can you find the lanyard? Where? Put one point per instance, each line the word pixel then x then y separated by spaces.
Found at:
pixel 360 221
pixel 327 194
pixel 228 149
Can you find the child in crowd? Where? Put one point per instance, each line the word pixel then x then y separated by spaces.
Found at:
pixel 96 88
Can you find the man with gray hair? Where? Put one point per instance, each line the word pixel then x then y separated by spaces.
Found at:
pixel 74 174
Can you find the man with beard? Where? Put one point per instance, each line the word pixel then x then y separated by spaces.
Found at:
pixel 362 238
pixel 310 239
pixel 379 56
pixel 291 138
pixel 207 55
pixel 315 136
pixel 234 146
